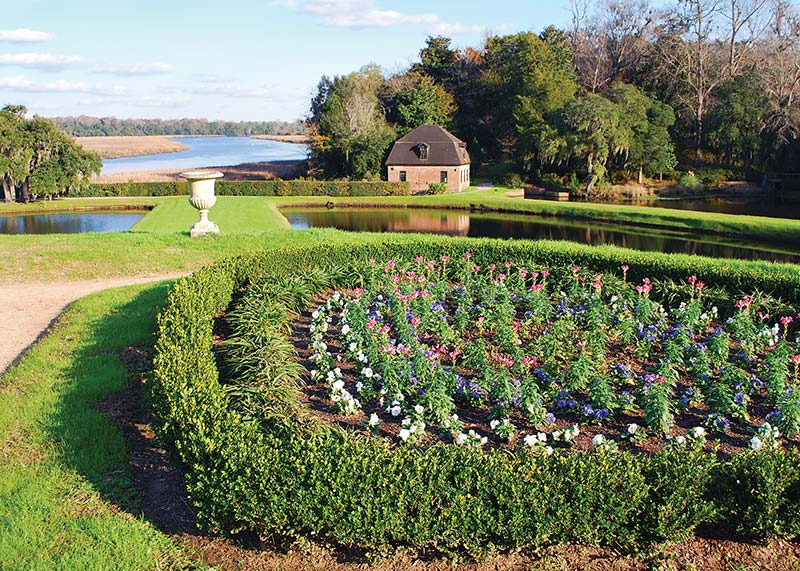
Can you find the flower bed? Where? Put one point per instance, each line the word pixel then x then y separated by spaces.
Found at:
pixel 448 350
pixel 258 459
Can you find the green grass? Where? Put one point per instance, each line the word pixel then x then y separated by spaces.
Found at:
pixel 57 502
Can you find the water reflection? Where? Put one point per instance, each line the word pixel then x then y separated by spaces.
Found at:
pixel 68 223
pixel 533 227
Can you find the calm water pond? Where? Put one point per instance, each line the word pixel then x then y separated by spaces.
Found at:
pixel 760 206
pixel 210 152
pixel 69 223
pixel 460 223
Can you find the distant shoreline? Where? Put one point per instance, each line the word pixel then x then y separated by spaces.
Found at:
pixel 245 171
pixel 295 139
pixel 118 147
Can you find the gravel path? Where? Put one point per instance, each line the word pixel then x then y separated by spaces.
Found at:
pixel 28 309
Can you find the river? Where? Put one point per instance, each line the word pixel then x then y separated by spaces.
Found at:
pixel 210 152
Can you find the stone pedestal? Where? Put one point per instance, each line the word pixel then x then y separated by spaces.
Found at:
pixel 202 197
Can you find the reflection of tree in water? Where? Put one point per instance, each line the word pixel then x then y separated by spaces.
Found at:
pixel 68 223
pixel 530 227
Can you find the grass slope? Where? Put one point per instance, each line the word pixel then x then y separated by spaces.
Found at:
pixel 57 502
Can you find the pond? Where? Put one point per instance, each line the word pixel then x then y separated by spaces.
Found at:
pixel 69 222
pixel 210 152
pixel 772 206
pixel 496 225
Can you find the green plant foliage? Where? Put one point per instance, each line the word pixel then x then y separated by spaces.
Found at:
pixel 301 479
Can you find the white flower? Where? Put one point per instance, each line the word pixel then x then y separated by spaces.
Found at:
pixel 756 444
pixel 494 424
pixel 338 372
pixel 374 420
pixel 419 409
pixel 395 410
pixel 542 437
pixel 680 439
pixel 598 439
pixel 632 428
pixel 461 438
pixel 345 329
pixel 367 372
pixel 338 385
pixel 404 434
pixel 315 314
pixel 405 422
pixel 549 450
pixel 530 440
pixel 353 346
pixel 697 432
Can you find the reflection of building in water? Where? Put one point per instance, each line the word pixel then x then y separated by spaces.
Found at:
pixel 447 223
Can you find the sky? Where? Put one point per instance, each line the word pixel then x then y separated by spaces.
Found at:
pixel 233 60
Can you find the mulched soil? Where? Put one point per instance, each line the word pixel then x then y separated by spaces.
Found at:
pixel 161 498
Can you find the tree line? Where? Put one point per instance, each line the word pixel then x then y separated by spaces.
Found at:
pixel 37 159
pixel 86 126
pixel 626 90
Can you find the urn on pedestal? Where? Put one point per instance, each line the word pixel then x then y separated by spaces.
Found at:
pixel 202 197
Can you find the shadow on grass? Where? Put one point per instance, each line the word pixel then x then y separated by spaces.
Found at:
pixel 101 425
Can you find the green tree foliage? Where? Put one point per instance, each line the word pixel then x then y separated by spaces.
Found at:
pixel 85 126
pixel 524 80
pixel 349 132
pixel 414 99
pixel 37 159
pixel 736 121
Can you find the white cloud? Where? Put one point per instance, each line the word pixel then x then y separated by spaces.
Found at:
pixel 355 14
pixel 155 68
pixel 377 19
pixel 21 83
pixel 24 35
pixel 46 62
pixel 227 89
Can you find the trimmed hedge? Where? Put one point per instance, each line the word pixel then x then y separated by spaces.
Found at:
pixel 298 478
pixel 249 188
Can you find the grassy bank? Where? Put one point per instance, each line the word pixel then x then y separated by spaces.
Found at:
pixel 65 481
pixel 257 214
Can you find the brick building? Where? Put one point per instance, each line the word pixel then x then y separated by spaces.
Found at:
pixel 429 154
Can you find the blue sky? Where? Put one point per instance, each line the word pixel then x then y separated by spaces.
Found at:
pixel 234 60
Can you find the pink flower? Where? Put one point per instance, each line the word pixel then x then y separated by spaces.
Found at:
pixel 371 323
pixel 746 301
pixel 476 268
pixel 576 269
pixel 529 361
pixel 692 279
pixel 414 320
pixel 516 325
pixel 358 291
pixel 786 320
pixel 545 273
pixel 454 353
pixel 699 285
pixel 795 359
pixel 491 267
pixel 383 330
pixel 507 264
pixel 501 277
pixel 372 262
pixel 536 287
pixel 444 259
pixel 418 259
pixel 481 319
pixel 468 255
pixel 505 361
pixel 625 268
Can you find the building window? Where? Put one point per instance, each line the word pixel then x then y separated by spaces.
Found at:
pixel 442 176
pixel 423 151
pixel 402 176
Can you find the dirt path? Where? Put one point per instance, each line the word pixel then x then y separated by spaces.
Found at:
pixel 28 309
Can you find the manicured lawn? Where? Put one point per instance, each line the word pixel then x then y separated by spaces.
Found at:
pixel 57 501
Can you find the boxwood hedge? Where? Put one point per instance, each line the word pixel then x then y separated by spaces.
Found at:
pixel 248 188
pixel 293 477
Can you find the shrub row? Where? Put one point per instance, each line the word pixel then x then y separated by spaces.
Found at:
pixel 295 478
pixel 250 188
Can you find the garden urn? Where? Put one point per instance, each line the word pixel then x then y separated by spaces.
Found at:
pixel 202 197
